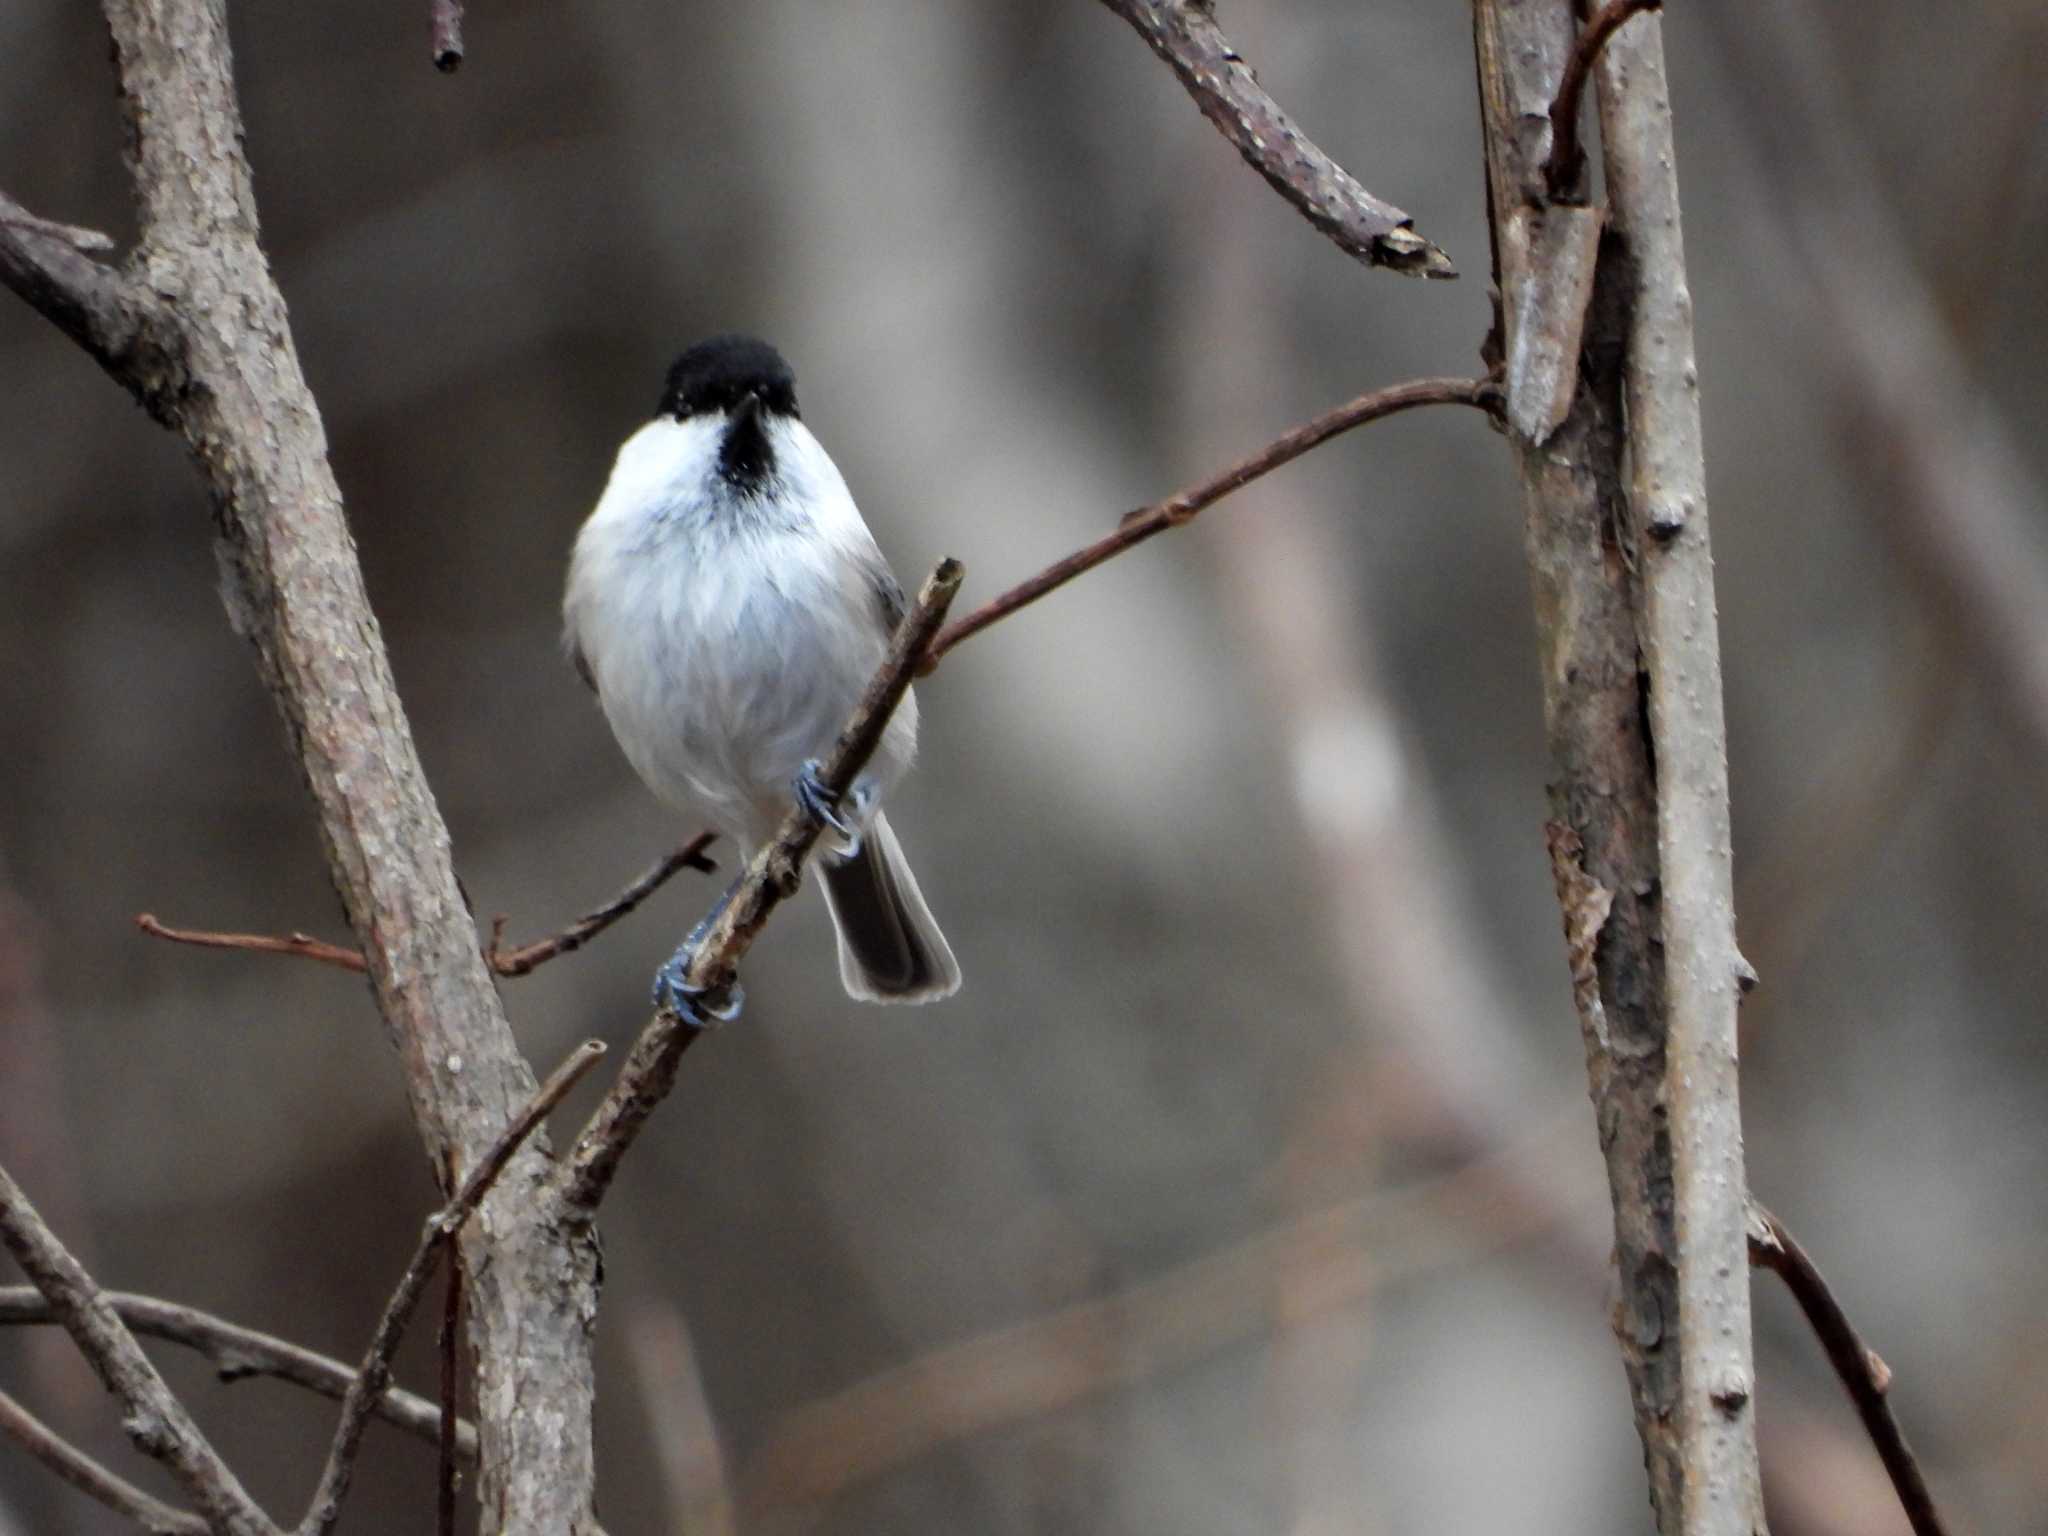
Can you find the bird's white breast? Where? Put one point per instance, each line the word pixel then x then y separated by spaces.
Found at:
pixel 728 637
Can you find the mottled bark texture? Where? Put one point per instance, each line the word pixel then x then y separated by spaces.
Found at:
pixel 1616 534
pixel 194 326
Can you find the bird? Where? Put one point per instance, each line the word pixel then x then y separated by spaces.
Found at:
pixel 727 603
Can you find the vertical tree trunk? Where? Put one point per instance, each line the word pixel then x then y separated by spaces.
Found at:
pixel 1613 494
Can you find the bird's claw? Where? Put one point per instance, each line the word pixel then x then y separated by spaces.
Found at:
pixel 674 994
pixel 822 806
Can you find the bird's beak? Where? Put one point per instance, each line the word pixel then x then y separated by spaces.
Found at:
pixel 748 408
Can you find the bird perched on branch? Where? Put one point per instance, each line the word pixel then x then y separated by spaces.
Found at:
pixel 728 605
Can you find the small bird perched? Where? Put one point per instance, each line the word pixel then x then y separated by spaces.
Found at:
pixel 728 605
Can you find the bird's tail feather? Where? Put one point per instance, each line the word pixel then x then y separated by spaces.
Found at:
pixel 890 949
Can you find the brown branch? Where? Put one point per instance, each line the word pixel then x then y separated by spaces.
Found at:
pixel 46 264
pixel 1181 507
pixel 1567 162
pixel 1866 1378
pixel 375 1372
pixel 649 1071
pixel 527 957
pixel 304 945
pixel 515 962
pixel 451 1386
pixel 88 1476
pixel 445 20
pixel 151 1414
pixel 1184 34
pixel 237 1353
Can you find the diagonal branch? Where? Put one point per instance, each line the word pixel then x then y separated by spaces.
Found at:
pixel 151 1414
pixel 237 1352
pixel 1182 506
pixel 1866 1378
pixel 375 1372
pixel 650 1068
pixel 89 1477
pixel 1184 33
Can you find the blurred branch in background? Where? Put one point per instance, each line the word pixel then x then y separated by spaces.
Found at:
pixel 1323 1260
pixel 678 1413
pixel 1948 484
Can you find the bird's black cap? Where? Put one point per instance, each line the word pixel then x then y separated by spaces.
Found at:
pixel 716 374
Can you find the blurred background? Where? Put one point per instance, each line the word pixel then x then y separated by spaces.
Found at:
pixel 1250 1183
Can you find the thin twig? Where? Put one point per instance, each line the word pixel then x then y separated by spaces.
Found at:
pixel 1184 34
pixel 1181 507
pixel 304 945
pixel 238 1353
pixel 1867 1378
pixel 518 962
pixel 88 1476
pixel 451 1385
pixel 79 239
pixel 375 1371
pixel 514 962
pixel 151 1414
pixel 1567 161
pixel 445 19
pixel 649 1071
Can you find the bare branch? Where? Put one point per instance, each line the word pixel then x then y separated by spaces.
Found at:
pixel 46 264
pixel 650 1068
pixel 528 957
pixel 1184 33
pixel 152 1416
pixel 451 1386
pixel 445 19
pixel 304 945
pixel 206 344
pixel 88 1476
pixel 237 1353
pixel 1616 524
pixel 1866 1378
pixel 503 962
pixel 1182 507
pixel 1567 163
pixel 375 1371
pixel 1680 645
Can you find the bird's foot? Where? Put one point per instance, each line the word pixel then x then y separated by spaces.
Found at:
pixel 674 994
pixel 823 807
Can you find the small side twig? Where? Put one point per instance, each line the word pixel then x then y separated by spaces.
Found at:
pixel 151 1413
pixel 90 241
pixel 513 962
pixel 1185 35
pixel 89 1477
pixel 517 962
pixel 375 1371
pixel 238 1353
pixel 1567 160
pixel 649 1071
pixel 445 19
pixel 304 945
pixel 1866 1377
pixel 1182 507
